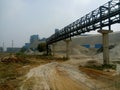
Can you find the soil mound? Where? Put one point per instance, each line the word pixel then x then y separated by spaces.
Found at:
pixel 114 53
pixel 60 48
pixel 11 59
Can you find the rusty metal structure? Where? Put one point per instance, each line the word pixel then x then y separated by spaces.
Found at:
pixel 105 15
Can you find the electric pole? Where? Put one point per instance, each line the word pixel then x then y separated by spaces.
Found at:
pixel 12 47
pixel 3 46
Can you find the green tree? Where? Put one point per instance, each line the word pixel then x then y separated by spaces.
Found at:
pixel 41 47
pixel 23 49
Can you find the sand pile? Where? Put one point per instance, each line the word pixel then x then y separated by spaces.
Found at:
pixel 114 53
pixel 77 49
pixel 79 55
pixel 60 48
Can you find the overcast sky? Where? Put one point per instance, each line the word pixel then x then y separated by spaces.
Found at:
pixel 21 18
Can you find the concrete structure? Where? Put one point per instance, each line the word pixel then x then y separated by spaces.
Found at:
pixel 1 49
pixel 105 39
pixel 67 41
pixel 13 50
pixel 56 30
pixel 27 45
pixel 53 49
pixel 34 42
pixel 43 39
pixel 118 68
pixel 33 46
pixel 34 38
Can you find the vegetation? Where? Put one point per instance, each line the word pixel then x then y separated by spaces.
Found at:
pixel 41 47
pixel 11 73
pixel 102 67
pixel 21 54
pixel 23 49
pixel 8 75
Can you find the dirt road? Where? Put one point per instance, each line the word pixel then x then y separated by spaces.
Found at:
pixel 64 76
pixel 55 76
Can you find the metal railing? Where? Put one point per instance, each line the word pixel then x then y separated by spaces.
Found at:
pixel 105 15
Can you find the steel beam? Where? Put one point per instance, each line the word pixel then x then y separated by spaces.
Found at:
pixel 105 15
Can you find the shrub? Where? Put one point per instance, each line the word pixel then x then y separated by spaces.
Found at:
pixel 41 47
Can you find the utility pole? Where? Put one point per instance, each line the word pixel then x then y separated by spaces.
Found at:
pixel 3 46
pixel 12 46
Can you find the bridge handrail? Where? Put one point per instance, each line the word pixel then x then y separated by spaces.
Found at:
pixel 105 15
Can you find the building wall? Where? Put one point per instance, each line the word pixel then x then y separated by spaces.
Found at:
pixel 27 45
pixel 1 49
pixel 34 38
pixel 15 50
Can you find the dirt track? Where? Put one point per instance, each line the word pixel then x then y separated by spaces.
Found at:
pixel 55 76
pixel 67 75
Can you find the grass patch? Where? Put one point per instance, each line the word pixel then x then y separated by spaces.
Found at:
pixel 46 57
pixel 20 54
pixel 8 73
pixel 102 67
pixel 11 72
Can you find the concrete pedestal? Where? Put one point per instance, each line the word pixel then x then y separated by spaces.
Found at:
pixel 105 39
pixel 67 41
pixel 118 69
pixel 53 49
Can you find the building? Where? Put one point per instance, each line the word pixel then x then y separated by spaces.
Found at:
pixel 27 45
pixel 43 39
pixel 34 42
pixel 1 49
pixel 56 30
pixel 34 38
pixel 13 50
pixel 34 45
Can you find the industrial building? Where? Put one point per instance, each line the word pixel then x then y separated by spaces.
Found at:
pixel 13 50
pixel 1 49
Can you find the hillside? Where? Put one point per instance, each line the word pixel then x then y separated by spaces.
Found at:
pixel 96 39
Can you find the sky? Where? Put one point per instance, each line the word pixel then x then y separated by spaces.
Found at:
pixel 19 19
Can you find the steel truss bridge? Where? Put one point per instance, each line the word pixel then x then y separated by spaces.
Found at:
pixel 105 15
